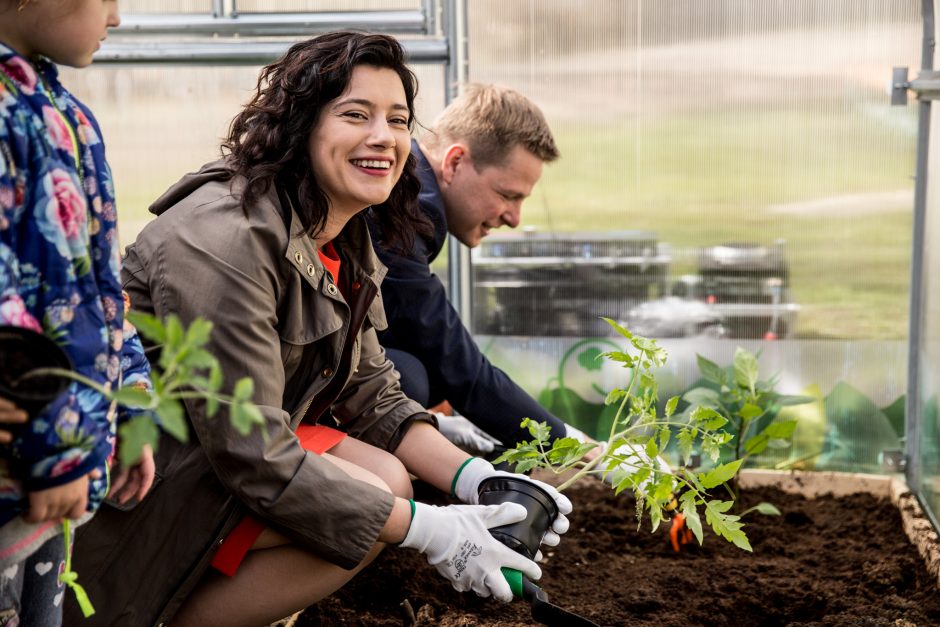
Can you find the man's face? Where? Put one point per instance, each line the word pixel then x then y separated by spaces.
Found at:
pixel 477 202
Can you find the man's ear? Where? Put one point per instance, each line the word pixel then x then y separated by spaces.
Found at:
pixel 455 156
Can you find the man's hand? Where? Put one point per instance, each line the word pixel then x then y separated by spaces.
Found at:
pixel 10 414
pixel 69 500
pixel 465 434
pixel 134 482
pixel 457 542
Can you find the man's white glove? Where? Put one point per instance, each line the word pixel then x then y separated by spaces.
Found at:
pixel 465 434
pixel 457 542
pixel 633 457
pixel 467 486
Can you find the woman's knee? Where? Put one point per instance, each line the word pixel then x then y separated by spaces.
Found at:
pixel 374 466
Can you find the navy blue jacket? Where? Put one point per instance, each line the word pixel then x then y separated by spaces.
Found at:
pixel 422 322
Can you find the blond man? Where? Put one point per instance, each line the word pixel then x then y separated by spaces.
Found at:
pixel 477 164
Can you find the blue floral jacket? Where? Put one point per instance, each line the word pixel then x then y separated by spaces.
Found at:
pixel 59 267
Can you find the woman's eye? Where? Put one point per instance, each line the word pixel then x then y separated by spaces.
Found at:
pixel 399 121
pixel 355 115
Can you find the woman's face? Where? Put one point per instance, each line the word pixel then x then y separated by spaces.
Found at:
pixel 360 143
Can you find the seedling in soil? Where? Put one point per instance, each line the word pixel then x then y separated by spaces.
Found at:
pixel 749 406
pixel 185 370
pixel 637 436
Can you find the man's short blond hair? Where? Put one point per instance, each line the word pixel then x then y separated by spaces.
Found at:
pixel 492 121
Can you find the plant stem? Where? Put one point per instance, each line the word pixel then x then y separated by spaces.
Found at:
pixel 66 374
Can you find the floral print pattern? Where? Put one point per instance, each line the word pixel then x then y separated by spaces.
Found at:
pixel 59 263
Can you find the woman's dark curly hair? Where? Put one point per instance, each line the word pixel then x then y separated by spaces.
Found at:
pixel 268 140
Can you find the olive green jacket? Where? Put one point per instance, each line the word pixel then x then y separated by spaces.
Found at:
pixel 279 319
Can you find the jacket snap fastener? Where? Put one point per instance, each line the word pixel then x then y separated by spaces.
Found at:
pixel 331 289
pixel 311 270
pixel 327 372
pixel 356 285
pixel 299 257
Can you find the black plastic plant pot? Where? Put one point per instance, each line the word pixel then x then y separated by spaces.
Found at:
pixel 524 536
pixel 21 352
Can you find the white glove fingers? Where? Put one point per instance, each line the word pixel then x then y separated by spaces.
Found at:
pixel 497 585
pixel 538 556
pixel 511 559
pixel 503 514
pixel 562 501
pixel 560 524
pixel 551 538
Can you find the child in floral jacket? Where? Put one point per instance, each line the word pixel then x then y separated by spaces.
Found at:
pixel 59 265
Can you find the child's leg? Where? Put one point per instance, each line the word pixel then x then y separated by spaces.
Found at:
pixel 32 595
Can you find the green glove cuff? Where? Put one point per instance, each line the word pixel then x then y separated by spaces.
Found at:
pixel 453 484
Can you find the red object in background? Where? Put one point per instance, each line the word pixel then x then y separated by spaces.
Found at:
pixel 679 534
pixel 770 335
pixel 443 407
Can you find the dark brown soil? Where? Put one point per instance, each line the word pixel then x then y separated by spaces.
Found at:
pixel 829 561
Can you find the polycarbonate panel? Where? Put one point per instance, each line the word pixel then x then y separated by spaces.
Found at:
pixel 928 352
pixel 288 6
pixel 160 122
pixel 165 6
pixel 751 147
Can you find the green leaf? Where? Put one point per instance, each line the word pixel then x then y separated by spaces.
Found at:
pixel 710 370
pixel 244 416
pixel 619 329
pixel 722 473
pixel 198 333
pixel 199 358
pixel 756 444
pixel 708 418
pixel 685 439
pixel 172 418
pixel 614 395
pixel 174 332
pixel 134 434
pixel 619 356
pixel 782 429
pixel 215 377
pixel 692 519
pixel 664 435
pixel 148 326
pixel 706 397
pixel 750 411
pixel 778 443
pixel 539 430
pixel 244 388
pixel 652 449
pixel 212 405
pixel 767 509
pixel 745 368
pixel 132 397
pixel 589 359
pixel 671 406
pixel 725 525
pixel 784 399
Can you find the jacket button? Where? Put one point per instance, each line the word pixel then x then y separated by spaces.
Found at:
pixel 327 372
pixel 356 285
pixel 311 270
pixel 331 289
pixel 298 257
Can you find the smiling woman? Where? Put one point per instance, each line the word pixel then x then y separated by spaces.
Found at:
pixel 270 245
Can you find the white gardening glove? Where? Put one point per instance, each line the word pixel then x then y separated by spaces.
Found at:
pixel 467 485
pixel 457 542
pixel 465 434
pixel 633 457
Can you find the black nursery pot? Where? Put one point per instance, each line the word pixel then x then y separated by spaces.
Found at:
pixel 22 351
pixel 524 536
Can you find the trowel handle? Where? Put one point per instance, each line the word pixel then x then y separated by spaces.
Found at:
pixel 523 588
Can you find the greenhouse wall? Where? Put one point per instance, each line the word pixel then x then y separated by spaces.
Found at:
pixel 696 132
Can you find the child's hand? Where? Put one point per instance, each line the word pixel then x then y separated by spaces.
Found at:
pixel 134 482
pixel 69 500
pixel 10 414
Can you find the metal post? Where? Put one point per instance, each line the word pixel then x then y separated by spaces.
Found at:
pixel 458 255
pixel 913 429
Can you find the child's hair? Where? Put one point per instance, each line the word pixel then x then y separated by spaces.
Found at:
pixel 492 121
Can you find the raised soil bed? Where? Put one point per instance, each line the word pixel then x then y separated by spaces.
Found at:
pixel 841 558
